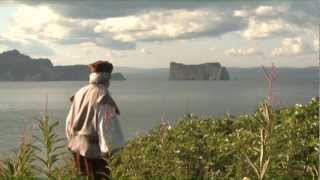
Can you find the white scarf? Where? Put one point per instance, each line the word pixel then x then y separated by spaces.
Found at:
pixel 99 78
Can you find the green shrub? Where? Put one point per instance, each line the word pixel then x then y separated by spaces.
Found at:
pixel 21 163
pixel 262 145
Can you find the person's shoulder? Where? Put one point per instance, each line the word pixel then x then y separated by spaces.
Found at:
pixel 83 90
pixel 106 99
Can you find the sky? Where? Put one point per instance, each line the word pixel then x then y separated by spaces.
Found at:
pixel 153 33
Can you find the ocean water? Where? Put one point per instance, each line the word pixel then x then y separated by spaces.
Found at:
pixel 144 101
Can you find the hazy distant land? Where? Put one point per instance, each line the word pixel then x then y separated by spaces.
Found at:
pixel 15 66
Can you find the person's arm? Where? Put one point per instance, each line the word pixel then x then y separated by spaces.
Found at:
pixel 69 119
pixel 110 133
pixel 68 123
pixel 105 115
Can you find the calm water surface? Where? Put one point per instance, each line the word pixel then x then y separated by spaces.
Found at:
pixel 143 103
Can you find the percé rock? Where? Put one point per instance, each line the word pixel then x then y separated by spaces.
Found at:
pixel 207 71
pixel 15 66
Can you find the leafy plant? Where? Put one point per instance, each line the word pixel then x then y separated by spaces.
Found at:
pixel 50 147
pixel 265 145
pixel 21 164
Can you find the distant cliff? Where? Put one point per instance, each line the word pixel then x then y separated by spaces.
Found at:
pixel 15 66
pixel 207 71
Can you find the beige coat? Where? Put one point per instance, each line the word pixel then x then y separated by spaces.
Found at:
pixel 89 124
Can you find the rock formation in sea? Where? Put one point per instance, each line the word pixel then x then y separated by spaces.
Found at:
pixel 207 71
pixel 15 66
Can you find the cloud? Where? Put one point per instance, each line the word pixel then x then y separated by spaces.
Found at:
pixel 240 13
pixel 316 44
pixel 264 10
pixel 264 21
pixel 166 25
pixel 279 20
pixel 100 9
pixel 32 30
pixel 46 25
pixel 212 49
pixel 145 51
pixel 263 29
pixel 41 24
pixel 34 47
pixel 304 14
pixel 121 25
pixel 290 47
pixel 38 23
pixel 267 10
pixel 243 52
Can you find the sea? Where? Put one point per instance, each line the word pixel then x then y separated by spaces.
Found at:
pixel 148 99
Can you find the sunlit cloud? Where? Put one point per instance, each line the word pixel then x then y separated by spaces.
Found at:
pixel 201 30
pixel 290 47
pixel 316 44
pixel 240 13
pixel 37 23
pixel 270 10
pixel 145 51
pixel 243 52
pixel 160 25
pixel 263 29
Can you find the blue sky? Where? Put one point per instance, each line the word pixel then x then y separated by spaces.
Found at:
pixel 151 34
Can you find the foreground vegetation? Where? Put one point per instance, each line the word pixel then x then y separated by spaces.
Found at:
pixel 267 144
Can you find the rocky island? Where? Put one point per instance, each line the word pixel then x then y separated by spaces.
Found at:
pixel 15 66
pixel 207 71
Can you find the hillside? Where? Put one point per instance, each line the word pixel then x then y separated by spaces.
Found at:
pixel 15 66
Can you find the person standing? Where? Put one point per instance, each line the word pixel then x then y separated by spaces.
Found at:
pixel 92 127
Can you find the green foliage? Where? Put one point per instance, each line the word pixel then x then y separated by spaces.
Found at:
pixel 21 164
pixel 49 148
pixel 40 156
pixel 263 145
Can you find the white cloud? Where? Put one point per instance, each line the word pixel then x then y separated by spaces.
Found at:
pixel 212 49
pixel 316 44
pixel 164 24
pixel 36 23
pixel 263 29
pixel 263 10
pixel 145 51
pixel 240 13
pixel 243 52
pixel 290 47
pixel 40 23
pixel 265 21
pixel 91 49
